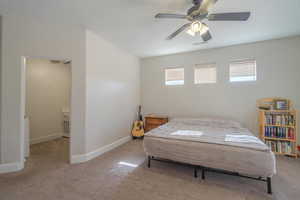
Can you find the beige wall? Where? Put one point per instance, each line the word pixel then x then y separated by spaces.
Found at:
pixel 48 87
pixel 0 82
pixel 111 84
pixel 105 87
pixel 113 92
pixel 30 37
pixel 278 70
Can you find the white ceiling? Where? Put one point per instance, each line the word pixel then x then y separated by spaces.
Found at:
pixel 130 24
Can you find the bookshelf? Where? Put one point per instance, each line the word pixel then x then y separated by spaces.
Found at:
pixel 278 125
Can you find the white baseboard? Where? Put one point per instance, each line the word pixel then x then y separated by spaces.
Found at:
pixel 89 156
pixel 11 167
pixel 46 138
pixel 78 159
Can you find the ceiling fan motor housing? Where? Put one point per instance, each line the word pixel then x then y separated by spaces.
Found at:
pixel 194 11
pixel 197 2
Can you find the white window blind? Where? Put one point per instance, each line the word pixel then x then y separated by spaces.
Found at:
pixel 205 73
pixel 174 76
pixel 243 71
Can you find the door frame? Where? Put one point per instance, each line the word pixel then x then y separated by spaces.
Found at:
pixel 23 101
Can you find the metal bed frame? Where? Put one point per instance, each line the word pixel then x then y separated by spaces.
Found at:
pixel 204 169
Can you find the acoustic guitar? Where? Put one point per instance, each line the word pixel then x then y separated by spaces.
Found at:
pixel 138 126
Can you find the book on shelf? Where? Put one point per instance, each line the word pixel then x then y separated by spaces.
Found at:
pixel 280 119
pixel 279 132
pixel 283 147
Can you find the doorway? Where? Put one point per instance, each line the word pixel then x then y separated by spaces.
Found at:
pixel 47 103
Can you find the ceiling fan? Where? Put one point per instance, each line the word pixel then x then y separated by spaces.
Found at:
pixel 199 12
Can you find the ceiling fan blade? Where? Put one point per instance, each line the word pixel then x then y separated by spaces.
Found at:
pixel 182 28
pixel 206 5
pixel 206 36
pixel 238 16
pixel 170 16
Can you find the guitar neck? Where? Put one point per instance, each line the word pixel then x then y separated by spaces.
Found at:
pixel 140 117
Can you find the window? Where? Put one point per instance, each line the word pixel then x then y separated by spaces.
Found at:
pixel 174 76
pixel 243 71
pixel 205 73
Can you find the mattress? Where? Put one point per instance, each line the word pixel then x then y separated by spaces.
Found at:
pixel 204 142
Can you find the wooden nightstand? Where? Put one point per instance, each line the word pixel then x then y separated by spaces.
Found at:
pixel 154 121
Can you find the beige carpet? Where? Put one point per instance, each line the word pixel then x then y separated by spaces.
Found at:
pixel 122 174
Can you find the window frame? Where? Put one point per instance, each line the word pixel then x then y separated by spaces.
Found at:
pixel 208 65
pixel 243 61
pixel 165 76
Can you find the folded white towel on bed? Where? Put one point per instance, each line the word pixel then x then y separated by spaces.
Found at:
pixel 243 139
pixel 187 133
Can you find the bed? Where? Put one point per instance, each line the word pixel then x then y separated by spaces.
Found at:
pixel 212 144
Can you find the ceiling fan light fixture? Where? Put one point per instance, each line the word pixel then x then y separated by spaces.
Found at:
pixel 196 26
pixel 190 32
pixel 204 29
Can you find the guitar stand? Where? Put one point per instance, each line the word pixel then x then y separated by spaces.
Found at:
pixel 204 169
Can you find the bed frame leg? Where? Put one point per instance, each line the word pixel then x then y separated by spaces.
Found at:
pixel 149 161
pixel 269 185
pixel 203 174
pixel 195 172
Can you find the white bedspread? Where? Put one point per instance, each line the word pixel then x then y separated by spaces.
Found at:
pixel 209 131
